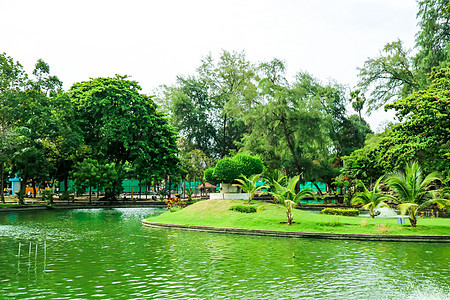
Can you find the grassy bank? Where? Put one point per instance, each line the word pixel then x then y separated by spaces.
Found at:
pixel 216 213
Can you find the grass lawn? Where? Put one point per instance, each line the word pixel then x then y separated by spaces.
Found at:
pixel 216 213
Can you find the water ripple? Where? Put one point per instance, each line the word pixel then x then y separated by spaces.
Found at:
pixel 107 254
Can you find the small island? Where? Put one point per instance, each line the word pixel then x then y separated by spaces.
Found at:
pixel 217 213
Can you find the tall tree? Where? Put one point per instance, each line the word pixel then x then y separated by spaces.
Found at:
pixel 433 36
pixel 389 76
pixel 193 112
pixel 358 100
pixel 285 122
pixel 422 134
pixel 27 105
pixel 132 130
pixel 395 74
pixel 12 82
pixel 10 142
pixel 207 108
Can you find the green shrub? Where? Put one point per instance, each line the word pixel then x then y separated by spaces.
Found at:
pixel 226 170
pixel 21 197
pixel 47 196
pixel 209 175
pixel 66 195
pixel 243 208
pixel 342 212
pixel 248 165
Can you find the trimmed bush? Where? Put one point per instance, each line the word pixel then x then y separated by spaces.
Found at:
pixel 248 165
pixel 226 170
pixel 209 175
pixel 342 212
pixel 243 208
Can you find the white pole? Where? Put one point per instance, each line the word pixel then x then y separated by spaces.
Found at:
pixel 19 250
pixel 35 254
pixel 29 250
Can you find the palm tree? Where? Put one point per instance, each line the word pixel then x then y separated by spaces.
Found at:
pixel 372 199
pixel 412 193
pixel 248 185
pixel 288 196
pixel 275 176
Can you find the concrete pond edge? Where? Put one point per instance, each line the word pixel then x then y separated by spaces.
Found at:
pixel 315 235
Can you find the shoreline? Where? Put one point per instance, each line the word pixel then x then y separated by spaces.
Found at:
pixel 297 234
pixel 7 209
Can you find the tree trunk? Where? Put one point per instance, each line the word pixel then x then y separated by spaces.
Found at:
pixel 289 218
pixel 90 194
pixel 2 169
pixel 66 185
pixel 318 189
pixel 413 222
pixel 23 186
pixel 291 148
pixel 33 183
pixel 170 185
pixel 224 135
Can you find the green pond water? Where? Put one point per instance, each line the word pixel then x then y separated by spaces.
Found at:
pixel 108 254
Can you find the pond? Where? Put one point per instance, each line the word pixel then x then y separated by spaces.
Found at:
pixel 108 254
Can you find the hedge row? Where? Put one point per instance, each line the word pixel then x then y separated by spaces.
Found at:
pixel 243 208
pixel 339 211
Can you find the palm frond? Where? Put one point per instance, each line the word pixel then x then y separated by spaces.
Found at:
pixel 441 203
pixel 407 208
pixel 302 194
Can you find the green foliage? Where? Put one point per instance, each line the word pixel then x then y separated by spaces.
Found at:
pixel 21 197
pixel 433 36
pixel 66 195
pixel 275 176
pixel 248 165
pixel 388 76
pixel 207 107
pixel 209 175
pixel 372 199
pixel 244 208
pixel 394 73
pixel 362 163
pixel 229 169
pixel 189 194
pixel 88 174
pixel 162 193
pixel 288 196
pixel 132 131
pixel 47 195
pixel 249 185
pixel 195 162
pixel 10 143
pixel 413 192
pixel 341 212
pixel 191 105
pixel 358 100
pixel 333 222
pixel 226 170
pixel 422 135
pixel 111 180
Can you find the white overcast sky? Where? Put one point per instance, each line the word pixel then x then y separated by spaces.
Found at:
pixel 154 41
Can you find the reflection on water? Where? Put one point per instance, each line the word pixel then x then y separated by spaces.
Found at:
pixel 107 254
